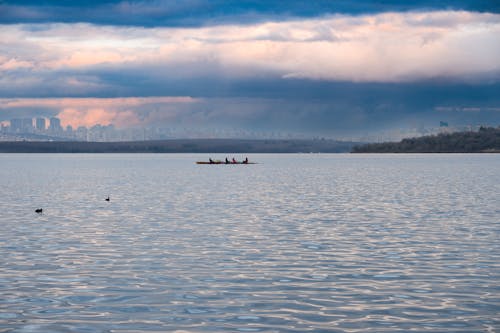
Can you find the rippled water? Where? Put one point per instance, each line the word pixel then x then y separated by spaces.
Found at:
pixel 297 243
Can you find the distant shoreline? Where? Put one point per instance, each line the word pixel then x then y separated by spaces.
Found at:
pixel 180 146
pixel 485 140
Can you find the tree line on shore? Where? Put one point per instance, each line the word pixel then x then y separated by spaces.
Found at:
pixel 180 146
pixel 486 139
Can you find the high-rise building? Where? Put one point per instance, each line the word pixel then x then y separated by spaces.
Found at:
pixel 16 125
pixel 40 124
pixel 27 125
pixel 81 133
pixel 55 125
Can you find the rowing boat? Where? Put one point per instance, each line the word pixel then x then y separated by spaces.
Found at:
pixel 222 162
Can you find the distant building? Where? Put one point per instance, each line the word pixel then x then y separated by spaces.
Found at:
pixel 40 124
pixel 27 125
pixel 16 125
pixel 55 125
pixel 81 133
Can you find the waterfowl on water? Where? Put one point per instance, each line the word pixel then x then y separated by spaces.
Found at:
pixel 39 210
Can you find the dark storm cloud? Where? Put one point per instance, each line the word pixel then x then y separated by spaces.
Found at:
pixel 302 71
pixel 209 12
pixel 267 103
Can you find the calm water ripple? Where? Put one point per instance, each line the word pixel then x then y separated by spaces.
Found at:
pixel 297 243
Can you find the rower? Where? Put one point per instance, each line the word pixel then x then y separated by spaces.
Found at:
pixel 227 161
pixel 245 161
pixel 234 161
pixel 211 161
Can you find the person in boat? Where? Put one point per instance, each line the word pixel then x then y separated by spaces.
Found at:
pixel 211 160
pixel 234 161
pixel 227 161
pixel 245 161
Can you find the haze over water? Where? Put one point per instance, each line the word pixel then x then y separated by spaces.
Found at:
pixel 296 243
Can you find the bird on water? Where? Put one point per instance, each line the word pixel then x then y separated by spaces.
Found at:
pixel 107 199
pixel 39 210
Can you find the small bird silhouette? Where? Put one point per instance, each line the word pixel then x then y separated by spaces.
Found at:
pixel 107 199
pixel 39 210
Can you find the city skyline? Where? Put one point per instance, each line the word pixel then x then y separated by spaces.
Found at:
pixel 328 69
pixel 40 129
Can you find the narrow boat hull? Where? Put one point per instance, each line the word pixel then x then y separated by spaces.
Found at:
pixel 231 163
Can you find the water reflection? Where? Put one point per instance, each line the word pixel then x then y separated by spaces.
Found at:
pixel 294 244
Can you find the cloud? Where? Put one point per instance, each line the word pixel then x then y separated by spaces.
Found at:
pixel 387 47
pixel 7 64
pixel 199 13
pixel 122 112
pixel 94 102
pixel 330 73
pixel 311 107
pixel 91 117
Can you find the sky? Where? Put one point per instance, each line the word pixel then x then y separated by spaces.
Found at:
pixel 329 68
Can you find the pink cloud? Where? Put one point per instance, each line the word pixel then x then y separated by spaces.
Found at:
pixel 91 117
pixel 87 58
pixel 121 112
pixel 386 47
pixel 12 63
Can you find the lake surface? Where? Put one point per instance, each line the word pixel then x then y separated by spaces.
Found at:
pixel 296 243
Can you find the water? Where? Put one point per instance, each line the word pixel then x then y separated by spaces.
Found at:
pixel 297 243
